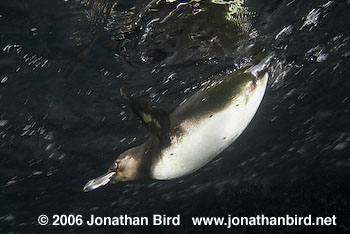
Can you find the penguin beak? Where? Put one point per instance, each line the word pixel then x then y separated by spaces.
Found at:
pixel 99 181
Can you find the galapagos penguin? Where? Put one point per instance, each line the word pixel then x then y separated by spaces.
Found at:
pixel 198 130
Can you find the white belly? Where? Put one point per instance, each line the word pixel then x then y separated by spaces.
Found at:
pixel 205 139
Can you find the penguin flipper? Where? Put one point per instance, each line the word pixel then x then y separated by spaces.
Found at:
pixel 156 119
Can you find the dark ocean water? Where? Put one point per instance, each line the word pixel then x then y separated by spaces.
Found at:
pixel 62 120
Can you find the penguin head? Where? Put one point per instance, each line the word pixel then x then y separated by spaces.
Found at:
pixel 124 168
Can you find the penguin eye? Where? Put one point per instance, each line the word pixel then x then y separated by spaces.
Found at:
pixel 114 167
